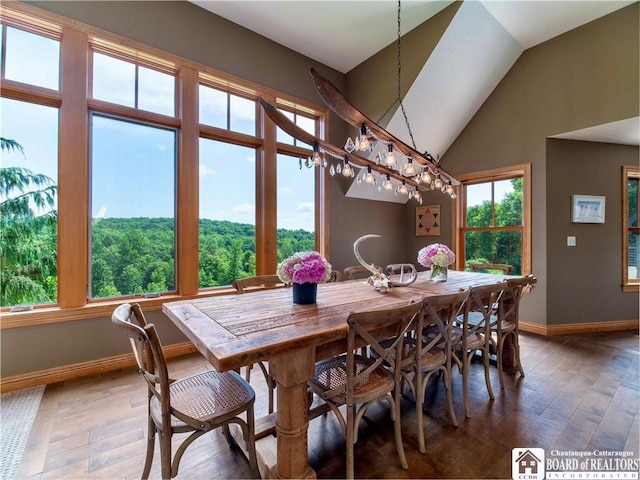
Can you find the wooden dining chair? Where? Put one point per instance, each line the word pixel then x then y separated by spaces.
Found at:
pixel 434 356
pixel 358 382
pixel 473 334
pixel 507 322
pixel 491 267
pixel 241 285
pixel 336 276
pixel 356 272
pixel 196 404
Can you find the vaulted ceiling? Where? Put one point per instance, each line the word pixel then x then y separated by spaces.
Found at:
pixel 478 48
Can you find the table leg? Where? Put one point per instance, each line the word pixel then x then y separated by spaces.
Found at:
pixel 291 373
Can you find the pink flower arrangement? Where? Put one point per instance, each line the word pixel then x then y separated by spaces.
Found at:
pixel 436 254
pixel 304 267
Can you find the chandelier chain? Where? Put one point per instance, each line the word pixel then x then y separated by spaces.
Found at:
pixel 399 90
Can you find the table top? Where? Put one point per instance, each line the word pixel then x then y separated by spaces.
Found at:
pixel 237 330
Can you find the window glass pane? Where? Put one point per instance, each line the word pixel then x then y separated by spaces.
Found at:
pixel 634 261
pixel 632 189
pixel 281 136
pixel 132 208
pixel 32 59
pixel 242 116
pixel 308 125
pixel 114 80
pixel 156 91
pixel 479 205
pixel 494 247
pixel 227 212
pixel 29 232
pixel 213 107
pixel 296 207
pixel 508 202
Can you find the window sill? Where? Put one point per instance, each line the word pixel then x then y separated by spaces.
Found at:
pixel 631 288
pixel 53 314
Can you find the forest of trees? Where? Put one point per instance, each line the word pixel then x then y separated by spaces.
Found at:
pixel 499 246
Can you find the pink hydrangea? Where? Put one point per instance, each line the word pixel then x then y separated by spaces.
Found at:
pixel 304 267
pixel 436 254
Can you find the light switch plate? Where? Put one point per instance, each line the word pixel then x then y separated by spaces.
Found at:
pixel 571 241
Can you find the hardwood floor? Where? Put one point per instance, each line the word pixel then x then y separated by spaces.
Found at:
pixel 580 393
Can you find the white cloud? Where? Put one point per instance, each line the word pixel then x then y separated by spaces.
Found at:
pixel 243 209
pixel 102 212
pixel 161 147
pixel 305 207
pixel 285 191
pixel 251 159
pixel 204 170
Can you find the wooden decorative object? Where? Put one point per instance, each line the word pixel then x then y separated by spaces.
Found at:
pixel 428 220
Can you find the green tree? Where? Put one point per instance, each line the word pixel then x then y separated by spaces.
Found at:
pixel 28 231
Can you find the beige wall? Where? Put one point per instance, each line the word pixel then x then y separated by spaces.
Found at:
pixel 586 77
pixel 584 281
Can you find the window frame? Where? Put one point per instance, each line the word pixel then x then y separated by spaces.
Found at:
pixel 628 284
pixel 503 173
pixel 75 104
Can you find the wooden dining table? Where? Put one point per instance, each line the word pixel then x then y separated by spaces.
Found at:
pixel 234 331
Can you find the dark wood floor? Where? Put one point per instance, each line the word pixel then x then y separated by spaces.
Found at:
pixel 580 392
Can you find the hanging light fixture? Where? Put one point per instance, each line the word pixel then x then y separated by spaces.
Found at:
pixel 416 173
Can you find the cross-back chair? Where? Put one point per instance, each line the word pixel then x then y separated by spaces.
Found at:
pixel 486 267
pixel 358 382
pixel 356 272
pixel 507 323
pixel 473 334
pixel 196 404
pixel 336 276
pixel 241 285
pixel 433 335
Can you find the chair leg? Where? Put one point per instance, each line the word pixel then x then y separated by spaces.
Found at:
pixel 487 375
pixel 500 350
pixel 151 442
pixel 250 442
pixel 449 387
pixel 165 454
pixel 350 437
pixel 466 364
pixel 397 427
pixel 420 394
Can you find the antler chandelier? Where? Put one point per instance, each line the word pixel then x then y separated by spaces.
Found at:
pixel 418 172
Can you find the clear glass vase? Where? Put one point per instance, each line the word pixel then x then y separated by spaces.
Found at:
pixel 439 274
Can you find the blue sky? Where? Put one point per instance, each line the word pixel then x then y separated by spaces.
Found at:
pixel 132 165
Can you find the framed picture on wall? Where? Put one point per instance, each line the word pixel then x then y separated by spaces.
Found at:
pixel 587 209
pixel 428 220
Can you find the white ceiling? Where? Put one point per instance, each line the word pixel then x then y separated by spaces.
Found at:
pixel 483 41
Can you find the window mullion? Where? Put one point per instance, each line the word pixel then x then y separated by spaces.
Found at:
pixel 73 168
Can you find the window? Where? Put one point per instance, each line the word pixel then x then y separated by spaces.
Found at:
pixel 304 122
pixel 132 208
pixel 165 187
pixel 227 213
pixel 28 203
pixel 31 58
pixel 228 111
pixel 296 206
pixel 630 229
pixel 493 220
pixel 132 85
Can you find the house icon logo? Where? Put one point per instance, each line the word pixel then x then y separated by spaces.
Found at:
pixel 527 463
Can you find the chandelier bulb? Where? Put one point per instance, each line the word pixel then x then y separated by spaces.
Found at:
pixel 437 183
pixel 409 168
pixel 388 185
pixel 369 179
pixel 347 170
pixel 390 159
pixel 363 140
